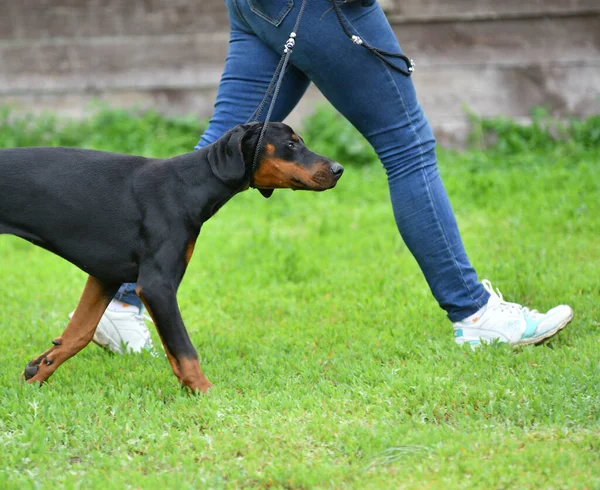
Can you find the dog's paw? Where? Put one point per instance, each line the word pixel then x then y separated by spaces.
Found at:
pixel 31 370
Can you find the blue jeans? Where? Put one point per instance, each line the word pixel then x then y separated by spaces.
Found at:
pixel 380 102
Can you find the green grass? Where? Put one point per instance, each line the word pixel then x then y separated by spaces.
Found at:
pixel 333 366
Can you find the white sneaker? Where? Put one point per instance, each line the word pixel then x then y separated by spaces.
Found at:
pixel 122 329
pixel 512 323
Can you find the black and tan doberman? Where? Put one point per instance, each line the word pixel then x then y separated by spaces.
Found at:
pixel 123 218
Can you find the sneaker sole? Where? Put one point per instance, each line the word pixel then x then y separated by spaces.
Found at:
pixel 547 335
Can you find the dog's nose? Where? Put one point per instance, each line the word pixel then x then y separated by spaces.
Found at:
pixel 337 170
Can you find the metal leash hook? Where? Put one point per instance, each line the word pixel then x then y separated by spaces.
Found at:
pixel 290 43
pixel 409 62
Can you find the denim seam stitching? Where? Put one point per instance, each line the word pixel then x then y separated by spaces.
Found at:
pixel 366 12
pixel 239 11
pixel 282 15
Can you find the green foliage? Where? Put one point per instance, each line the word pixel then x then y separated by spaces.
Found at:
pixel 543 134
pixel 333 366
pixel 328 133
pixel 325 131
pixel 119 130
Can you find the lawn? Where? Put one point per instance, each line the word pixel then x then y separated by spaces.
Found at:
pixel 333 366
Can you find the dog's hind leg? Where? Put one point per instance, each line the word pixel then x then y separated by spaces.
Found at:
pixel 77 335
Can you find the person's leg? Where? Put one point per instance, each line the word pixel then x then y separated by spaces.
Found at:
pixel 126 294
pixel 382 104
pixel 249 68
pixel 248 71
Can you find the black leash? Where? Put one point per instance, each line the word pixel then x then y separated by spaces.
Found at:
pixel 275 87
pixel 381 54
pixel 276 81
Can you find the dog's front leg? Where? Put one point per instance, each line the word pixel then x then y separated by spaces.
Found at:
pixel 77 335
pixel 161 301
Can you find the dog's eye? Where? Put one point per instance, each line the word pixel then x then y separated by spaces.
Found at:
pixel 291 145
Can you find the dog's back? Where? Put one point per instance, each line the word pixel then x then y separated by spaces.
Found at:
pixel 43 192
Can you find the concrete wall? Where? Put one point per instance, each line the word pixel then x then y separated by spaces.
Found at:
pixel 496 57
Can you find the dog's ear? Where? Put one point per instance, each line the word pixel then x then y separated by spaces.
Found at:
pixel 249 142
pixel 227 156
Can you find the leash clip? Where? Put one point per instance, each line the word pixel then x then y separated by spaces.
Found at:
pixel 290 43
pixel 411 66
pixel 357 40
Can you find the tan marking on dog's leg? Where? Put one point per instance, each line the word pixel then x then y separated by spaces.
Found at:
pixel 192 375
pixel 189 251
pixel 77 334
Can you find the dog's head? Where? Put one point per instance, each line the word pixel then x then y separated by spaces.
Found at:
pixel 284 161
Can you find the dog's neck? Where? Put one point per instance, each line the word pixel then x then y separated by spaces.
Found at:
pixel 203 192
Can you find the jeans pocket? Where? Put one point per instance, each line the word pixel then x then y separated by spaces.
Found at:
pixel 273 11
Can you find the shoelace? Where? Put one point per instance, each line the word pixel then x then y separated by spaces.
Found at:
pixel 505 305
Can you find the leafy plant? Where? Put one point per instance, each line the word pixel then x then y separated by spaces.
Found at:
pixel 325 131
pixel 119 130
pixel 329 133
pixel 543 133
